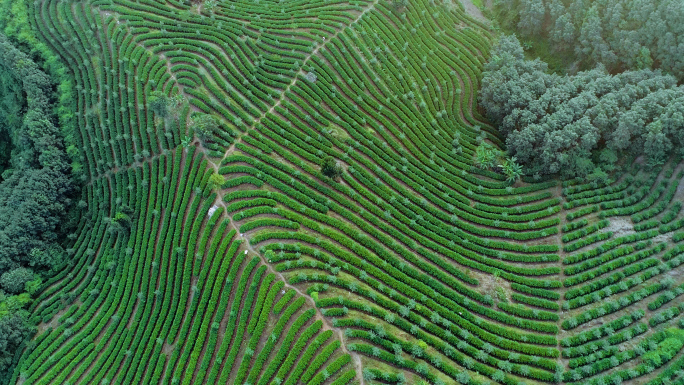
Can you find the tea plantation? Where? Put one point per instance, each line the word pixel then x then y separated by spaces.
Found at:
pixel 211 247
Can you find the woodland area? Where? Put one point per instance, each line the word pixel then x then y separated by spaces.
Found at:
pixel 36 192
pixel 584 124
pixel 586 86
pixel 620 34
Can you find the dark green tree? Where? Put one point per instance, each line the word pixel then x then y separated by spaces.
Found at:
pixel 35 196
pixel 159 104
pixel 330 168
pixel 14 281
pixel 400 4
pixel 204 126
pixel 121 222
pixel 14 329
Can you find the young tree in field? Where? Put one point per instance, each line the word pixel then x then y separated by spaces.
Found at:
pixel 216 181
pixel 512 170
pixel 209 5
pixel 186 141
pixel 159 104
pixel 330 168
pixel 204 126
pixel 399 4
pixel 121 222
pixel 485 156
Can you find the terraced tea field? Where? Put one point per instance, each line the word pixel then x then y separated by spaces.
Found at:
pixel 413 265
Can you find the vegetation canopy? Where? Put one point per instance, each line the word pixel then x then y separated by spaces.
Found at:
pixel 578 125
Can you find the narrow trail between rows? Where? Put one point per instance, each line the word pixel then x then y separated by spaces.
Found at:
pixel 356 359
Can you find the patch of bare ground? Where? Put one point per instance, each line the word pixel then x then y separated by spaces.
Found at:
pixel 490 284
pixel 679 194
pixel 619 226
pixel 667 237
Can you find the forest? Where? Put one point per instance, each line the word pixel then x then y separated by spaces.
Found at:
pixel 620 34
pixel 36 191
pixel 583 124
pixel 617 96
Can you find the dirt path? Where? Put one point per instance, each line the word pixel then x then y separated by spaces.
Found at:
pixel 356 359
pixel 326 324
pixel 471 9
pixel 306 61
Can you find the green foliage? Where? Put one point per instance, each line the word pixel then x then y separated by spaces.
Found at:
pixel 120 223
pixel 159 104
pixel 216 181
pixel 167 108
pixel 620 34
pixel 512 170
pixel 538 114
pixel 666 349
pixel 204 126
pixel 33 287
pixel 209 5
pixel 14 329
pixel 12 105
pixel 399 4
pixel 486 156
pixel 15 24
pixel 330 168
pixel 14 281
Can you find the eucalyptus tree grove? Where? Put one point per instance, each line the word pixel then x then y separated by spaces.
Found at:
pixel 575 125
pixel 620 34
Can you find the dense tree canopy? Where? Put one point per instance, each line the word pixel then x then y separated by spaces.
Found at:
pixel 35 193
pixel 14 328
pixel 554 124
pixel 14 281
pixel 12 105
pixel 620 34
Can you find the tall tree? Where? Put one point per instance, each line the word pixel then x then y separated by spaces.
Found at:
pixel 532 15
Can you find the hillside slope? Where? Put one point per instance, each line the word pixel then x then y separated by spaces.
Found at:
pixel 418 264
